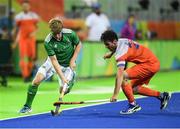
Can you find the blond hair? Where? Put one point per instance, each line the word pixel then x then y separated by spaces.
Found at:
pixel 55 25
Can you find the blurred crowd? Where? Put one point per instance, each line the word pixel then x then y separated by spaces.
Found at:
pixel 21 28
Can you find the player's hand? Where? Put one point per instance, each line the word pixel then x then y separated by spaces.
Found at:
pixel 65 80
pixel 107 55
pixel 113 99
pixel 60 99
pixel 72 65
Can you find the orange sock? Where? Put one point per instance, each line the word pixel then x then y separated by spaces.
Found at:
pixel 147 91
pixel 127 89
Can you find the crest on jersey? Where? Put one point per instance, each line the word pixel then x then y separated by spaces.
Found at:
pixel 55 46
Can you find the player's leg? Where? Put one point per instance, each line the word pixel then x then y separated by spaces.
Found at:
pixel 44 72
pixel 135 72
pixel 31 54
pixel 146 72
pixel 23 59
pixel 31 92
pixel 128 91
pixel 138 88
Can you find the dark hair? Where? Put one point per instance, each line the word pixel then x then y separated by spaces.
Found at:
pixel 109 35
pixel 26 1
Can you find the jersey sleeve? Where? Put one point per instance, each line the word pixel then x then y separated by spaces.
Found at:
pixel 49 49
pixel 75 38
pixel 122 49
pixel 119 61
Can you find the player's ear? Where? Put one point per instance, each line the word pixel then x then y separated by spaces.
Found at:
pixel 114 41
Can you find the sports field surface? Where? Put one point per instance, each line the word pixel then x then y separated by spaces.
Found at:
pixel 13 97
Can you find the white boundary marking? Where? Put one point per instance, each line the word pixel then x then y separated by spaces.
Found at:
pixel 141 97
pixel 89 105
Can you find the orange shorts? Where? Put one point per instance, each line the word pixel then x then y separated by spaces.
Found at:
pixel 27 48
pixel 142 73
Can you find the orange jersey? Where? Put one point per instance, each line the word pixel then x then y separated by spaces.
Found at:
pixel 26 23
pixel 130 51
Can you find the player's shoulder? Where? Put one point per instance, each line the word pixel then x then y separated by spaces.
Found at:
pixel 33 14
pixel 123 40
pixel 91 16
pixel 67 31
pixel 48 38
pixel 19 15
pixel 29 15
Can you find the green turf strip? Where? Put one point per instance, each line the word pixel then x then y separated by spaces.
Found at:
pixel 13 97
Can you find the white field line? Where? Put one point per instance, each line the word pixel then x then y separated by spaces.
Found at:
pixel 88 90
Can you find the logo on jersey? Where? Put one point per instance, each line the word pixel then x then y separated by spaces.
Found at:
pixel 55 46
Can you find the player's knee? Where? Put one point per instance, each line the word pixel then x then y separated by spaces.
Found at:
pixel 36 82
pixel 135 90
pixel 124 82
pixel 38 79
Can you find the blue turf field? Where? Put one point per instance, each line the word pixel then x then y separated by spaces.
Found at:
pixel 106 116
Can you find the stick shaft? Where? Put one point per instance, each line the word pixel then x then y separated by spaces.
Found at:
pixel 82 102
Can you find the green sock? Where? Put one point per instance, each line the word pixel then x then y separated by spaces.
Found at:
pixel 32 90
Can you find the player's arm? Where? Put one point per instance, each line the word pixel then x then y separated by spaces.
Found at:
pixel 52 55
pixel 76 52
pixel 36 21
pixel 78 45
pixel 57 68
pixel 15 37
pixel 108 55
pixel 118 83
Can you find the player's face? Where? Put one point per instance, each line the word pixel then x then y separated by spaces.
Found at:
pixel 111 45
pixel 55 28
pixel 58 35
pixel 26 7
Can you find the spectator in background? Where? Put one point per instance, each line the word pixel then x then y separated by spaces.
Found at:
pixel 26 22
pixel 6 25
pixel 97 23
pixel 129 29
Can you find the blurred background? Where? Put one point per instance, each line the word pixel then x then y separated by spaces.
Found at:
pixel 154 23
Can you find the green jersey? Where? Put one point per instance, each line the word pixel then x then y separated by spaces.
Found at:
pixel 64 48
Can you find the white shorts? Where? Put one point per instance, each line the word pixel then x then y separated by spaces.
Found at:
pixel 48 70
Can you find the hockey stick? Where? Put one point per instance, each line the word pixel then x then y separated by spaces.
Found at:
pixel 82 102
pixel 56 111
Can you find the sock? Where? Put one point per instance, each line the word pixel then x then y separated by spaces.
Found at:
pixel 147 91
pixel 127 89
pixel 32 90
pixel 133 103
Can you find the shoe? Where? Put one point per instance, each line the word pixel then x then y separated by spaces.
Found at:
pixel 131 109
pixel 25 109
pixel 28 79
pixel 164 100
